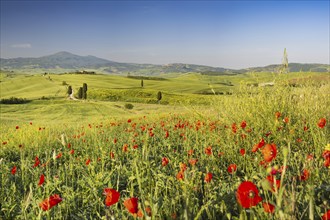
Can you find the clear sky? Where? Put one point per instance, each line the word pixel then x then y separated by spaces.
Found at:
pixel 231 34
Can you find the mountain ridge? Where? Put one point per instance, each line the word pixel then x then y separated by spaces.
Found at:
pixel 67 60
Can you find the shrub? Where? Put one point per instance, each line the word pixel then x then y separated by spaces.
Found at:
pixel 14 100
pixel 129 106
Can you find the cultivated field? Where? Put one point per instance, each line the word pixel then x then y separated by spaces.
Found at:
pixel 243 150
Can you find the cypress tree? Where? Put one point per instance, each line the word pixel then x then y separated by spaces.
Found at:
pixel 80 93
pixel 69 90
pixel 84 93
pixel 159 96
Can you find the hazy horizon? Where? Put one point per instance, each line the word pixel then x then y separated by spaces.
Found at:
pixel 229 34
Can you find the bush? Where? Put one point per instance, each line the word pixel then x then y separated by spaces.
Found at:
pixel 129 106
pixel 14 100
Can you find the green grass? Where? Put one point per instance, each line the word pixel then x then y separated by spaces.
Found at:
pixel 96 128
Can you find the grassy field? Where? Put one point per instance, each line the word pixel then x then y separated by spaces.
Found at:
pixel 259 153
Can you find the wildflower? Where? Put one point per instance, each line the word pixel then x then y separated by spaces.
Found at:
pixel 321 123
pixel 112 155
pixel 326 156
pixel 269 152
pixel 277 114
pixel 13 170
pixel 304 175
pixel 180 176
pixel 125 148
pixel 59 155
pixel 232 168
pixel 190 152
pixel 17 127
pixel 167 134
pixel 148 211
pixel 72 152
pixel 183 167
pixel 41 179
pixel 129 121
pixel 50 202
pixel 286 120
pixel 165 161
pixel 208 150
pixel 234 128
pixel 87 162
pixel 272 180
pixel 269 208
pixel 36 162
pixel 131 205
pixel 326 216
pixel 208 177
pixel 242 151
pixel 259 145
pixel 243 124
pixel 112 196
pixel 247 194
pixel 193 162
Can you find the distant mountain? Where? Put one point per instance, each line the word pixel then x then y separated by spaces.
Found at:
pixel 293 67
pixel 66 60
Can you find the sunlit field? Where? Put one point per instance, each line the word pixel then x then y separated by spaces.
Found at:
pixel 259 152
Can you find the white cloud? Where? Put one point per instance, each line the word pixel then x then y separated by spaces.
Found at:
pixel 21 46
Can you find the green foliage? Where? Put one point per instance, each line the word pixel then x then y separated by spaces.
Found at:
pixel 69 90
pixel 159 96
pixel 129 106
pixel 80 93
pixel 14 100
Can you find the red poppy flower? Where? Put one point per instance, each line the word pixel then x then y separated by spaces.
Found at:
pixel 321 123
pixel 59 155
pixel 259 145
pixel 13 170
pixel 129 121
pixel 208 177
pixel 71 151
pixel 304 175
pixel 165 161
pixel 36 162
pixel 243 124
pixel 208 150
pixel 232 168
pixel 17 127
pixel 286 120
pixel 167 134
pixel 125 148
pixel 190 152
pixel 148 211
pixel 112 196
pixel 242 151
pixel 41 180
pixel 273 181
pixel 269 152
pixel 247 194
pixel 50 202
pixel 234 128
pixel 88 161
pixel 269 208
pixel 180 176
pixel 183 167
pixel 131 205
pixel 193 162
pixel 326 154
pixel 277 114
pixel 326 216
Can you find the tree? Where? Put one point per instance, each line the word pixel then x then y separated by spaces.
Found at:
pixel 285 62
pixel 141 83
pixel 80 93
pixel 159 96
pixel 69 90
pixel 84 92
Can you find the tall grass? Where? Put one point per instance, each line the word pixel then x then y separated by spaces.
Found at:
pixel 126 154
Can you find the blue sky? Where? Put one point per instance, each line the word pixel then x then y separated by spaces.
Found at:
pixel 231 34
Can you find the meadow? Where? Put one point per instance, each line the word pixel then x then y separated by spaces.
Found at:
pixel 215 147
